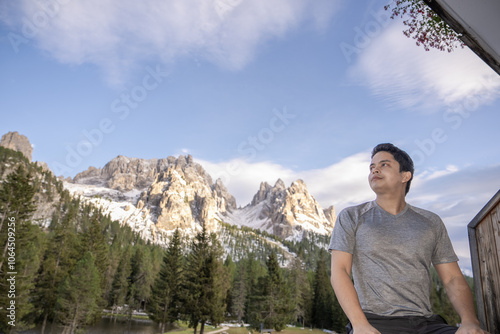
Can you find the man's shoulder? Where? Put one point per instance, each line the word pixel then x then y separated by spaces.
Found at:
pixel 425 213
pixel 357 210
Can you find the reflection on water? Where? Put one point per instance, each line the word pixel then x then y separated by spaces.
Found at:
pixel 109 326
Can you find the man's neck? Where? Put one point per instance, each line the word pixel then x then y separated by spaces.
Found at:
pixel 391 204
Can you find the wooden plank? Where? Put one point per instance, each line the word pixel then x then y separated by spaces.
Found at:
pixel 490 271
pixel 495 221
pixel 495 224
pixel 481 251
pixel 476 269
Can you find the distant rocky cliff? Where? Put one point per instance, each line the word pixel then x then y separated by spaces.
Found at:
pixel 17 142
pixel 47 195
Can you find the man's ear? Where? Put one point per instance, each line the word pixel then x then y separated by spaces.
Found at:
pixel 406 176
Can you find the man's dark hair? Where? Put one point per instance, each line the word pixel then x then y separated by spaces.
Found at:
pixel 404 160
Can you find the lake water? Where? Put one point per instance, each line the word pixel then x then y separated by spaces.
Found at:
pixel 109 326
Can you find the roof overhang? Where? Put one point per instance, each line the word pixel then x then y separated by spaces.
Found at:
pixel 478 21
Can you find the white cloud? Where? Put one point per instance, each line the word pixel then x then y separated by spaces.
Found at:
pixel 394 68
pixel 339 184
pixel 342 184
pixel 430 174
pixel 117 34
pixel 243 178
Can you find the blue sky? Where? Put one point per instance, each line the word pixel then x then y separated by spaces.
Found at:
pixel 254 91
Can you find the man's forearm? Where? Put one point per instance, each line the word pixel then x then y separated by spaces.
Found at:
pixel 460 296
pixel 348 298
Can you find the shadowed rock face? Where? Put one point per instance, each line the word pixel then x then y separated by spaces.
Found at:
pixel 288 209
pixel 17 142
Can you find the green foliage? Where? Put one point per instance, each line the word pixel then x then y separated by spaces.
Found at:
pixel 20 243
pixel 205 284
pixel 271 302
pixel 165 303
pixel 301 292
pixel 78 295
pixel 238 294
pixel 326 311
pixel 56 264
pixel 119 288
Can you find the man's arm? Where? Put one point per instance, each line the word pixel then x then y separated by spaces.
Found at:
pixel 460 296
pixel 346 294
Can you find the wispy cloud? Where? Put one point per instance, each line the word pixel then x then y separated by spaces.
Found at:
pixel 341 184
pixel 117 34
pixel 406 75
pixel 243 178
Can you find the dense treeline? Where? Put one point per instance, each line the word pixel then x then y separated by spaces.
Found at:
pixel 71 268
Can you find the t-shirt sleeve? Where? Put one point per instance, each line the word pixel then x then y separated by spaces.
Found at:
pixel 443 251
pixel 344 233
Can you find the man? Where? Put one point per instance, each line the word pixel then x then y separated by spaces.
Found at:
pixel 390 245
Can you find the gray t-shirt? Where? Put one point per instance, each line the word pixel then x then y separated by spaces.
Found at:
pixel 392 256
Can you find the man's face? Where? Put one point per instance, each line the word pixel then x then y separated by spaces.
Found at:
pixel 385 176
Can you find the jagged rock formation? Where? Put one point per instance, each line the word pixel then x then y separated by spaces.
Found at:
pixel 125 174
pixel 17 142
pixel 330 215
pixel 176 193
pixel 285 212
pixel 179 193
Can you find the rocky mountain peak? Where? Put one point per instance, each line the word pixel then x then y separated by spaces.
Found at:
pixel 17 142
pixel 279 185
pixel 184 196
pixel 223 195
pixel 287 212
pixel 262 194
pixel 125 174
pixel 330 215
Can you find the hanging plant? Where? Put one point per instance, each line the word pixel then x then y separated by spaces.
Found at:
pixel 424 25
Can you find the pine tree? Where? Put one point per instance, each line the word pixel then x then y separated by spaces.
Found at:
pixel 205 285
pixel 272 304
pixel 326 311
pixel 142 277
pixel 21 247
pixel 79 295
pixel 322 307
pixel 231 272
pixel 120 285
pixel 16 196
pixel 301 290
pixel 165 302
pixel 239 293
pixel 59 258
pixel 94 241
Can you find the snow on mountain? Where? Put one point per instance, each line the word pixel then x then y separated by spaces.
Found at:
pixel 157 196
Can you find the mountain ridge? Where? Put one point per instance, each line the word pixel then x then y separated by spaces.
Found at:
pixel 156 196
pixel 181 193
